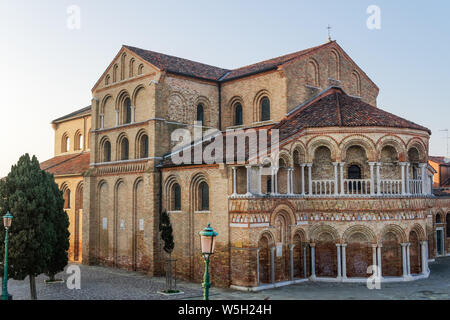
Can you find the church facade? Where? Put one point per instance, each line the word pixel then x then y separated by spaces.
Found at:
pixel 347 185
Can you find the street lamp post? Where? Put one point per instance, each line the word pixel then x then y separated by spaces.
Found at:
pixel 207 242
pixel 7 219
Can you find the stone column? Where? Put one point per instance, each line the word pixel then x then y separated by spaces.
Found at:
pixel 102 121
pixel 379 259
pixel 304 260
pixel 408 260
pixel 404 263
pixel 133 113
pixel 260 168
pixel 275 180
pixel 291 260
pixel 402 168
pixel 344 262
pixel 309 165
pixel 374 254
pixel 117 117
pixel 339 272
pixel 313 260
pixel 290 184
pixel 257 267
pixel 234 181
pixel 424 262
pixel 302 166
pixel 408 191
pixel 335 165
pixel 342 164
pixel 372 178
pixel 249 175
pixel 272 265
pixel 378 178
pixel 424 176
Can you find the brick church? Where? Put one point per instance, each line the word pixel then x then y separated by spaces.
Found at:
pixel 348 185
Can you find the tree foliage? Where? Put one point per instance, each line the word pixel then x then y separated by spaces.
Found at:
pixel 36 238
pixel 165 227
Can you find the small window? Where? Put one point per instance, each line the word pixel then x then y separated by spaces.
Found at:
pixel 354 172
pixel 144 146
pixel 265 109
pixel 127 111
pixel 65 147
pixel 107 152
pixel 269 185
pixel 66 196
pixel 204 196
pixel 438 218
pixel 176 197
pixel 200 113
pixel 140 69
pixel 124 148
pixel 238 114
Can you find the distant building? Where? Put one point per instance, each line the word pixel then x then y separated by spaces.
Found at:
pixel 441 180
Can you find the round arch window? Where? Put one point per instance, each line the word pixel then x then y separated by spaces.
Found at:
pixel 354 172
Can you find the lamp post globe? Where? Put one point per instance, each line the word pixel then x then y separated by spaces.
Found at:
pixel 207 244
pixel 7 220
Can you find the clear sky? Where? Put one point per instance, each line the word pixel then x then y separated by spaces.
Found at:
pixel 48 70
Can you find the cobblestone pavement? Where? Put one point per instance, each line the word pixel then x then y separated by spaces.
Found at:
pixel 436 287
pixel 100 283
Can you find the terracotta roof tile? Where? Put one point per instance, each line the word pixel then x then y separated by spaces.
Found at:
pixel 67 164
pixel 81 112
pixel 331 108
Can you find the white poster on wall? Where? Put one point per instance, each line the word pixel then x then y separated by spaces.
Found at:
pixel 122 224
pixel 141 224
pixel 105 223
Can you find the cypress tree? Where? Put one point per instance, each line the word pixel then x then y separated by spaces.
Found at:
pixel 29 193
pixel 59 258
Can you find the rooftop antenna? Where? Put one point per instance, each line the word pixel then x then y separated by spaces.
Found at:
pixel 447 138
pixel 329 33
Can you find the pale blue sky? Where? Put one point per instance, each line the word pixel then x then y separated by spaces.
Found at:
pixel 49 70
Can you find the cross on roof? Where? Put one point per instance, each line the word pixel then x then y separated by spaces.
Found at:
pixel 329 32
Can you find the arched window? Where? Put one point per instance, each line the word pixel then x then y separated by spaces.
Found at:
pixel 140 69
pixel 356 84
pixel 200 113
pixel 66 196
pixel 143 146
pixel 269 185
pixel 115 73
pixel 265 109
pixel 438 218
pixel 131 67
pixel 176 197
pixel 107 151
pixel 237 114
pixel 127 111
pixel 204 196
pixel 78 141
pixel 65 143
pixel 354 172
pixel 124 149
pixel 107 80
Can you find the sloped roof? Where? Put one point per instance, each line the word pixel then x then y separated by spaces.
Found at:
pixel 204 71
pixel 179 65
pixel 78 113
pixel 440 160
pixel 334 108
pixel 67 164
pixel 270 64
pixel 331 108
